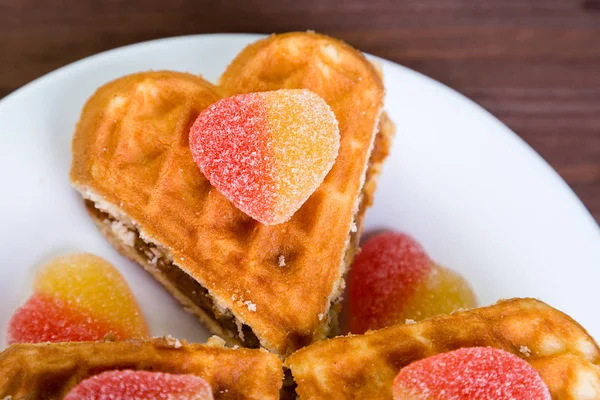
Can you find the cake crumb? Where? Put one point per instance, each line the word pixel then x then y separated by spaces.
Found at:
pixel 409 321
pixel 525 351
pixel 321 316
pixel 239 325
pixel 235 347
pixel 125 235
pixel 353 227
pixel 215 341
pixel 173 342
pixel 281 261
pixel 251 305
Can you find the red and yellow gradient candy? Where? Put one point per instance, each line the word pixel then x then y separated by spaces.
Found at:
pixel 266 152
pixel 393 280
pixel 141 385
pixel 78 297
pixel 475 373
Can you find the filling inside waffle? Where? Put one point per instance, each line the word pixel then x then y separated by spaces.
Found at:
pixel 181 281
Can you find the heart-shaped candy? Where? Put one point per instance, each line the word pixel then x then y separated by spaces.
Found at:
pixel 475 373
pixel 266 152
pixel 141 385
pixel 394 280
pixel 78 297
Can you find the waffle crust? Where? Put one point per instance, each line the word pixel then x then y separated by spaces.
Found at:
pixel 132 161
pixel 50 370
pixel 364 366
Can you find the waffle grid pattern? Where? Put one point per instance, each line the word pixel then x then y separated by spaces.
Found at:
pixel 364 366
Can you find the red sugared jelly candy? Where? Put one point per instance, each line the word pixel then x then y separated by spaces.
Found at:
pixel 266 152
pixel 476 373
pixel 393 280
pixel 45 318
pixel 78 297
pixel 141 385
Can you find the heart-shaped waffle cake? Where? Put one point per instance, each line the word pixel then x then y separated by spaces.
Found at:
pixel 364 366
pixel 51 370
pixel 275 286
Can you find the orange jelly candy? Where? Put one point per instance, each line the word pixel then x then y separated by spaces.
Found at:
pixel 141 385
pixel 266 152
pixel 393 280
pixel 78 297
pixel 475 373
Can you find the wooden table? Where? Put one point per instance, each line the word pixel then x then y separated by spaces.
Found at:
pixel 535 64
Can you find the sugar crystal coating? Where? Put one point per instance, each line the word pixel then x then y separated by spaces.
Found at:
pixel 266 152
pixel 476 373
pixel 441 292
pixel 78 297
pixel 393 280
pixel 141 385
pixel 45 318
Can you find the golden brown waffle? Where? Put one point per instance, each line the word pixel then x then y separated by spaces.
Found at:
pixel 364 366
pixel 50 370
pixel 132 162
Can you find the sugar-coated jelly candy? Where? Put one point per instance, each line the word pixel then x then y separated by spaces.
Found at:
pixel 141 385
pixel 474 373
pixel 78 297
pixel 393 280
pixel 266 152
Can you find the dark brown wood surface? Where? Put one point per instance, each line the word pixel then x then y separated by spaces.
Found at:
pixel 535 64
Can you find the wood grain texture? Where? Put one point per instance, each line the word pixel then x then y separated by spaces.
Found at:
pixel 534 64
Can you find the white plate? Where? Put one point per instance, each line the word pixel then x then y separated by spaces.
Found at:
pixel 478 198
